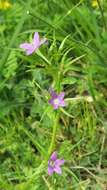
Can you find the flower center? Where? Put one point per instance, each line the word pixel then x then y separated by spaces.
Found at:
pixel 56 101
pixel 52 163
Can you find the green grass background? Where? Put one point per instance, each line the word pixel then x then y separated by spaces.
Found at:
pixel 73 61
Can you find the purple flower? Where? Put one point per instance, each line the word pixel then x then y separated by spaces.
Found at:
pixel 57 100
pixel 54 164
pixel 29 48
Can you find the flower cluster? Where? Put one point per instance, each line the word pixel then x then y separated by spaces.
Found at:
pixel 57 100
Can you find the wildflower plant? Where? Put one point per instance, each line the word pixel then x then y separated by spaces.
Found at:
pixel 57 100
pixel 53 138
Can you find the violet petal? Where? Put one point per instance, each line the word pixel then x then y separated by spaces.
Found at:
pixel 25 46
pixel 53 93
pixel 30 51
pixel 36 40
pixel 59 162
pixel 54 156
pixel 50 170
pixel 61 95
pixel 57 169
pixel 62 103
pixel 55 106
pixel 51 101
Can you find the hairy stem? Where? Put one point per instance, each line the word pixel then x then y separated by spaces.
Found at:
pixel 52 144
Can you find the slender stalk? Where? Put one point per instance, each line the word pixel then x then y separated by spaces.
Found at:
pixel 52 144
pixel 102 14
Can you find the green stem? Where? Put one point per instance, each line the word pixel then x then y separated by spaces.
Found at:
pixel 52 144
pixel 102 14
